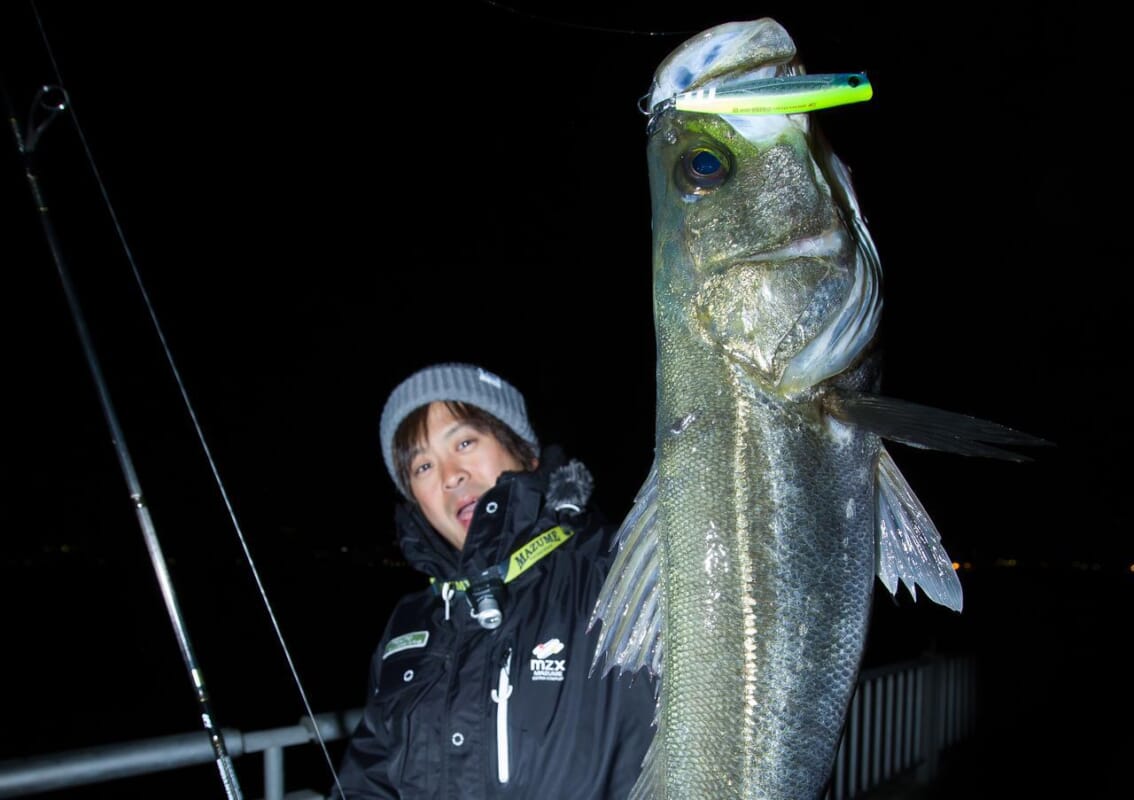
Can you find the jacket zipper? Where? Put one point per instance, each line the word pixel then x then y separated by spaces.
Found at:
pixel 500 696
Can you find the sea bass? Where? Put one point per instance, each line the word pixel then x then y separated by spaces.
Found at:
pixel 746 567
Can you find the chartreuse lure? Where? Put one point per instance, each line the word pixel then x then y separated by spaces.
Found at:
pixel 784 94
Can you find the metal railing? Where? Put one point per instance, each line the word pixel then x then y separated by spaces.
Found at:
pixel 38 774
pixel 901 719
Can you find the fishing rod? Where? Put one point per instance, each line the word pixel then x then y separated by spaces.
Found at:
pixel 49 103
pixel 53 101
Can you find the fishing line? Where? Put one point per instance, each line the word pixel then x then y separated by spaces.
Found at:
pixel 544 18
pixel 54 100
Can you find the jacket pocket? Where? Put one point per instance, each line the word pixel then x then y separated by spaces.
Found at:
pixel 409 703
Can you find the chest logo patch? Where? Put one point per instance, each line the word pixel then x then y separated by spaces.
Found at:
pixel 407 641
pixel 544 667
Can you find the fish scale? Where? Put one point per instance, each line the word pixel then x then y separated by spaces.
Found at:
pixel 743 721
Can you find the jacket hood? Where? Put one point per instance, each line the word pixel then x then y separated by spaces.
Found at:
pixel 532 501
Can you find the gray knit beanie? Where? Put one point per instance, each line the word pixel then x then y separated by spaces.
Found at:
pixel 462 383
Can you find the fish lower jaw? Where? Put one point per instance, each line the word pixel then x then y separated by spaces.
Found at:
pixel 764 313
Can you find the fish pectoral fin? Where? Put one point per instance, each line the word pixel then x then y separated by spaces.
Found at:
pixel 629 603
pixel 907 545
pixel 928 427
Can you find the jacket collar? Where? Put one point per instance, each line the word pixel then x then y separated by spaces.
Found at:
pixel 520 506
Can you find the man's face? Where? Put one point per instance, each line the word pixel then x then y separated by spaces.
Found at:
pixel 451 468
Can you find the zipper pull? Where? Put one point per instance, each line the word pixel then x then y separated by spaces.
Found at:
pixel 447 593
pixel 500 696
pixel 504 690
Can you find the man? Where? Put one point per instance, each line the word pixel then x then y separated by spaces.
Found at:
pixel 481 685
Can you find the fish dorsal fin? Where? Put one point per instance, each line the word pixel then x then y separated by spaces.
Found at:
pixel 629 604
pixel 908 547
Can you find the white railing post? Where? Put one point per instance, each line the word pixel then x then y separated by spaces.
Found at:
pixel 273 773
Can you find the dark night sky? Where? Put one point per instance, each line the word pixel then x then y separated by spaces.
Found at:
pixel 322 198
pixel 318 203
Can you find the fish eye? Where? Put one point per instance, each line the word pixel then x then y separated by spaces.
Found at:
pixel 702 168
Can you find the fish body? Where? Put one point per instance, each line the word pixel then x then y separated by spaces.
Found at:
pixel 766 519
pixel 764 623
pixel 746 567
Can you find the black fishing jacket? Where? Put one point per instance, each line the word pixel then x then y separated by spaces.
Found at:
pixel 459 711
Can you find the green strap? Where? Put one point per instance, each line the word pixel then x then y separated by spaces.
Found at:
pixel 521 560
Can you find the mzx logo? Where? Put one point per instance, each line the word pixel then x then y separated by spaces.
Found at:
pixel 543 666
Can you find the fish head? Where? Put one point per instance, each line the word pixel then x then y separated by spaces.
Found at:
pixel 758 240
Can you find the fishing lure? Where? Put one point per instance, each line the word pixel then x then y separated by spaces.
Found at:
pixel 783 94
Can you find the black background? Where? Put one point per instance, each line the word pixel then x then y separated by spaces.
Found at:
pixel 319 199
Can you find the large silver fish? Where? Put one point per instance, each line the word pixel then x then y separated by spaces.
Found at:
pixel 746 567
